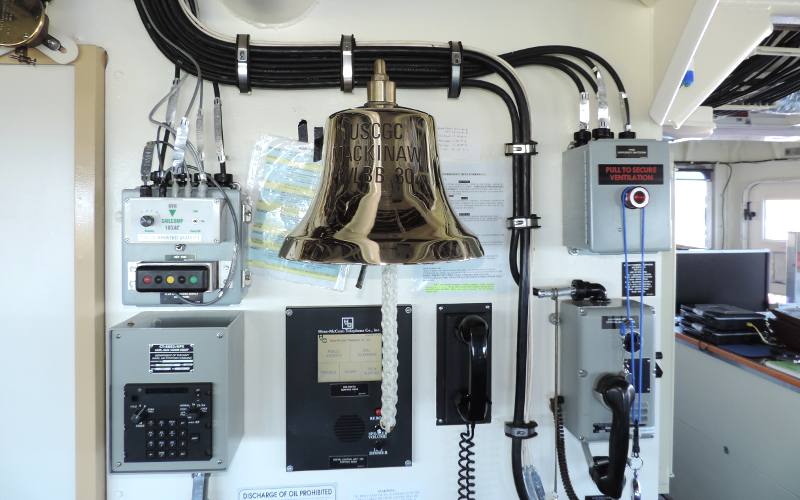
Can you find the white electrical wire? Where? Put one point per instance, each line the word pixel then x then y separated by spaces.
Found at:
pixel 389 349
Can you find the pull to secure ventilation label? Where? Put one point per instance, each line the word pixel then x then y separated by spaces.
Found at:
pixel 630 174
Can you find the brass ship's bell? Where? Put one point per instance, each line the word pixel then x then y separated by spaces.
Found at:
pixel 381 200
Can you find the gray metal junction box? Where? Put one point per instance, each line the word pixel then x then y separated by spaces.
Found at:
pixel 593 179
pixel 175 247
pixel 591 346
pixel 176 391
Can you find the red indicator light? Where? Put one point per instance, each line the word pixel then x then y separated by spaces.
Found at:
pixel 636 197
pixel 377 412
pixel 147 280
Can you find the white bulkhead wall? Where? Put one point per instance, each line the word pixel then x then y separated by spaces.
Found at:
pixel 138 75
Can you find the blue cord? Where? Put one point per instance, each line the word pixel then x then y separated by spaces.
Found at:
pixel 639 366
pixel 627 327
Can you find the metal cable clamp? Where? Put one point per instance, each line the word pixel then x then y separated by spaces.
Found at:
pixel 523 430
pixel 523 148
pixel 200 485
pixel 243 63
pixel 456 72
pixel 347 44
pixel 530 222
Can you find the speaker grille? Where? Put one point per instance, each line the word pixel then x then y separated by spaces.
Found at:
pixel 349 428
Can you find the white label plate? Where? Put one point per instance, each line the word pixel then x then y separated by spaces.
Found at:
pixel 317 492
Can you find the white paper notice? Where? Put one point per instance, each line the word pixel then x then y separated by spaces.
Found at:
pixel 458 144
pixel 319 492
pixel 479 198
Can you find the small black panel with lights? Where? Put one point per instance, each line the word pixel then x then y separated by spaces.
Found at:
pixel 165 278
pixel 167 422
pixel 333 389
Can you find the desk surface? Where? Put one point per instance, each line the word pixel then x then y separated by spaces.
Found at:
pixel 746 363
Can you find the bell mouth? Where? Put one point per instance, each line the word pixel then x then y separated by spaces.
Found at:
pixel 365 251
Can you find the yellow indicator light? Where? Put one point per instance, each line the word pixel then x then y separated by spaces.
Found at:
pixel 170 280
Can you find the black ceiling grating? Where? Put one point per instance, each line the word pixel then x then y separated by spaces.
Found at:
pixel 762 80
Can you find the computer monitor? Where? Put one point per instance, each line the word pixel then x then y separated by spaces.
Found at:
pixel 736 277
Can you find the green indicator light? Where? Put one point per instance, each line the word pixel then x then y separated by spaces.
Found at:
pixel 193 280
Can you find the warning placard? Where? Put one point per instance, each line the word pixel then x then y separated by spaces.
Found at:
pixel 635 273
pixel 630 174
pixel 171 358
pixel 321 492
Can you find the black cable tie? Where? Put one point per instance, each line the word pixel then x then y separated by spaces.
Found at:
pixel 530 222
pixel 243 63
pixel 318 141
pixel 302 131
pixel 522 148
pixel 456 73
pixel 523 430
pixel 347 45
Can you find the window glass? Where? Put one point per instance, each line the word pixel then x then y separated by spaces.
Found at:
pixel 780 217
pixel 692 209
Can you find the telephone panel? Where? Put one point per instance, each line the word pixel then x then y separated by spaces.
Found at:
pixel 333 389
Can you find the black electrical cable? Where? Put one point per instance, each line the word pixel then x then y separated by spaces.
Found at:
pixel 579 53
pixel 277 67
pixel 561 450
pixel 514 115
pixel 500 92
pixel 466 464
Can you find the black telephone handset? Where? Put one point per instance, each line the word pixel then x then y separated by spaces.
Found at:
pixel 608 473
pixel 473 405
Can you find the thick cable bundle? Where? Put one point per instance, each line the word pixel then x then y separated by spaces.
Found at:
pixel 761 79
pixel 319 66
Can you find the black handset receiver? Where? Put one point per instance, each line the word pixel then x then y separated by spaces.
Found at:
pixel 473 405
pixel 608 473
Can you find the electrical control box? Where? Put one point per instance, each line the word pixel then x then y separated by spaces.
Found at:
pixel 176 391
pixel 591 347
pixel 180 250
pixel 333 389
pixel 594 177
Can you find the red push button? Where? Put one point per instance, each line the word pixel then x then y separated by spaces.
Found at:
pixel 147 279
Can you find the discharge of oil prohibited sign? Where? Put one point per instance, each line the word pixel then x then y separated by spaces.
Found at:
pixel 171 358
